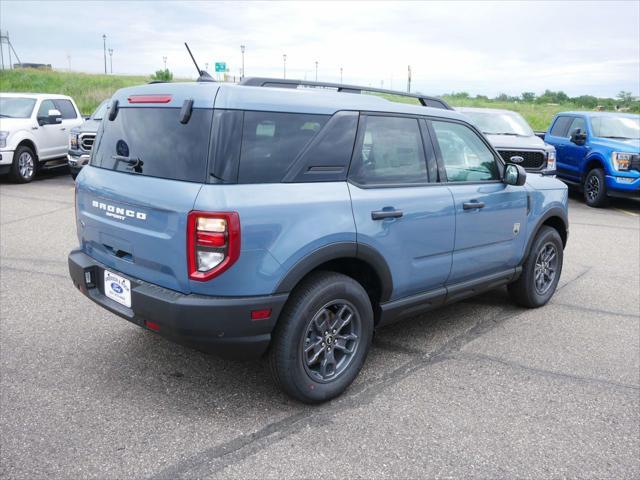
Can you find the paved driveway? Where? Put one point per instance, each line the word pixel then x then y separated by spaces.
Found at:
pixel 478 389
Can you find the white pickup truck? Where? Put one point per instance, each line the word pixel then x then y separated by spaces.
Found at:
pixel 34 130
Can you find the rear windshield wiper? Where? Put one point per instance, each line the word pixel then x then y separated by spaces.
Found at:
pixel 506 133
pixel 133 163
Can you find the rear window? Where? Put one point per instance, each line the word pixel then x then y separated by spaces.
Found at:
pixel 272 141
pixel 152 142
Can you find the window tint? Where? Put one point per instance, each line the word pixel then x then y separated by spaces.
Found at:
pixel 66 109
pixel 45 106
pixel 390 152
pixel 578 123
pixel 561 126
pixel 327 157
pixel 227 128
pixel 152 142
pixel 272 141
pixel 466 158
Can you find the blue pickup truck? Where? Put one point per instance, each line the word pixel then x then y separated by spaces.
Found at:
pixel 291 222
pixel 598 152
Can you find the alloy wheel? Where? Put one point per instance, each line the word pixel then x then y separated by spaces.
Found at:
pixel 331 340
pixel 545 268
pixel 26 165
pixel 593 187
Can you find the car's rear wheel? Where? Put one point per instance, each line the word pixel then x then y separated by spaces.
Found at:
pixel 541 271
pixel 24 165
pixel 322 337
pixel 595 188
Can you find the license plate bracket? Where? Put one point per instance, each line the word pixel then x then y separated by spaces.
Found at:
pixel 117 288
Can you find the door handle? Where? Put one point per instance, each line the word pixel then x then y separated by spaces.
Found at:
pixel 472 205
pixel 382 214
pixel 63 128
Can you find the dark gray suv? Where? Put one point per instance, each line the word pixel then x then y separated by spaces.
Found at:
pixel 81 140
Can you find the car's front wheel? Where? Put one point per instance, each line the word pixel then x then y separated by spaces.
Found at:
pixel 595 188
pixel 24 165
pixel 322 337
pixel 541 270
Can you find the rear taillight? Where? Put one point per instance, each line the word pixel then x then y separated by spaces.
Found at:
pixel 213 243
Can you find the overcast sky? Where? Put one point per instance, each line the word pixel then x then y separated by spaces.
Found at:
pixel 482 48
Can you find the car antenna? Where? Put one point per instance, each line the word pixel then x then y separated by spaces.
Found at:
pixel 202 75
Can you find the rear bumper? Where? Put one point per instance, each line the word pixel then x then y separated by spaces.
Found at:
pixel 220 325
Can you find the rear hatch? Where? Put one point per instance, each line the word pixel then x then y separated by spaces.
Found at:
pixel 147 167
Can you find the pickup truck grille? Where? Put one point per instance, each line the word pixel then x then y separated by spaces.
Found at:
pixel 635 163
pixel 533 160
pixel 86 141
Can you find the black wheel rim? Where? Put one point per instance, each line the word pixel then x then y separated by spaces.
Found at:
pixel 546 268
pixel 593 187
pixel 331 341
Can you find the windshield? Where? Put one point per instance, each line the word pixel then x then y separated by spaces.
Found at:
pixel 16 107
pixel 100 111
pixel 500 123
pixel 616 127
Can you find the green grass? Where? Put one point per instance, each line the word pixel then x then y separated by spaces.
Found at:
pixel 88 90
pixel 538 116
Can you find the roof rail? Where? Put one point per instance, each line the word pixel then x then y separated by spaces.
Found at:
pixel 286 83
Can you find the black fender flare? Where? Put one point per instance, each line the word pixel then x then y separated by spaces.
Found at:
pixel 552 212
pixel 337 251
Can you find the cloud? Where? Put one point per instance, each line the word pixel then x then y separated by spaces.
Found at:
pixel 479 47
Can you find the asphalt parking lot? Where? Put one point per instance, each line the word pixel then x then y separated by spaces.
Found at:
pixel 479 389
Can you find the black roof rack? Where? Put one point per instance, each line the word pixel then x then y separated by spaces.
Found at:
pixel 285 83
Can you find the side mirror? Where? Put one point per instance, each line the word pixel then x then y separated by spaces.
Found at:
pixel 53 117
pixel 514 175
pixel 578 137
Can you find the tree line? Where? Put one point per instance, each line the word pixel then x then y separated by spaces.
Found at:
pixel 622 100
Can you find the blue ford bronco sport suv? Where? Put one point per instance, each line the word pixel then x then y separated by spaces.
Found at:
pixel 291 222
pixel 598 152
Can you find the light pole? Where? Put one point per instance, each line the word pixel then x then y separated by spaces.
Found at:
pixel 111 60
pixel 284 65
pixel 164 60
pixel 340 74
pixel 104 50
pixel 316 70
pixel 409 79
pixel 242 51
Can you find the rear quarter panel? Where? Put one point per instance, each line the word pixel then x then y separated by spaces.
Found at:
pixel 280 224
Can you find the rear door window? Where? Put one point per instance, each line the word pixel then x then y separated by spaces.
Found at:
pixel 390 151
pixel 152 142
pixel 272 141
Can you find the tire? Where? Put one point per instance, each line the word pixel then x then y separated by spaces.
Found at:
pixel 595 189
pixel 322 316
pixel 525 291
pixel 24 166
